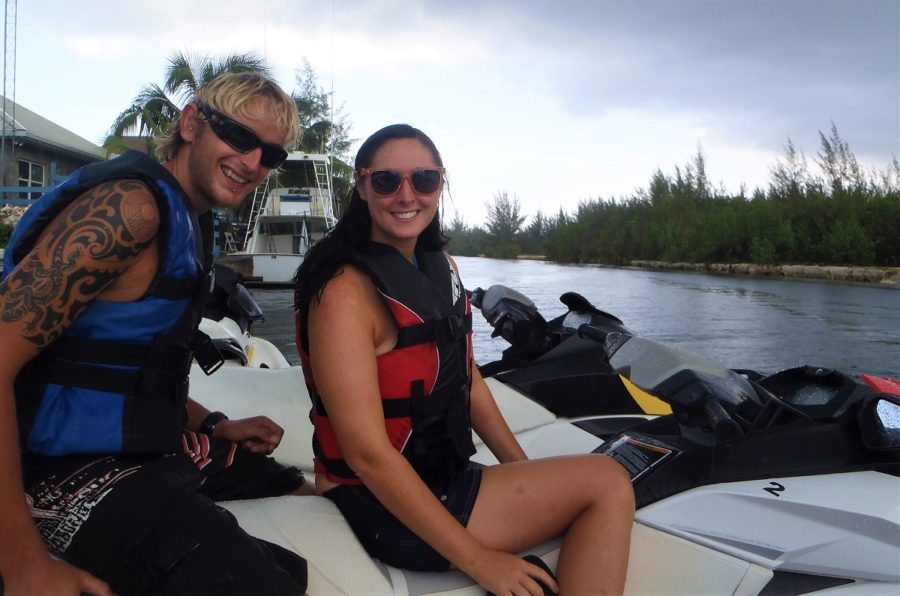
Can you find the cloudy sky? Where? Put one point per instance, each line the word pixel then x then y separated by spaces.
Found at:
pixel 553 101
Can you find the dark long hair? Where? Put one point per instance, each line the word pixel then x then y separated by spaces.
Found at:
pixel 325 258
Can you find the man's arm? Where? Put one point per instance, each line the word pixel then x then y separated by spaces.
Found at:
pixel 94 248
pixel 259 434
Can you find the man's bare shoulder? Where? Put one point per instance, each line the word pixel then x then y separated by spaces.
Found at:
pixel 125 208
pixel 89 245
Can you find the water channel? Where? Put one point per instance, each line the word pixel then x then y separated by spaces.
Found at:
pixel 744 322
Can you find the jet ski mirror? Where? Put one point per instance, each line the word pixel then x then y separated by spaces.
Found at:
pixel 230 298
pixel 582 311
pixel 879 423
pixel 241 301
pixel 498 299
pixel 514 317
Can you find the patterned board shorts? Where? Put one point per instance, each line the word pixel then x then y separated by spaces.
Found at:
pixel 63 492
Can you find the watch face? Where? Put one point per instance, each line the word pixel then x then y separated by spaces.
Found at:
pixel 210 422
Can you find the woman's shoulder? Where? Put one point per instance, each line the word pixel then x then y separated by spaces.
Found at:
pixel 450 259
pixel 350 304
pixel 350 284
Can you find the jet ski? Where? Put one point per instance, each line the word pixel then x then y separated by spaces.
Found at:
pixel 745 483
pixel 555 365
pixel 229 315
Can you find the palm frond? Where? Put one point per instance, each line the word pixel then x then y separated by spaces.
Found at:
pixel 247 62
pixel 181 75
pixel 156 107
pixel 139 117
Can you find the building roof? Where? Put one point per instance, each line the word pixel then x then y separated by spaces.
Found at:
pixel 31 126
pixel 137 143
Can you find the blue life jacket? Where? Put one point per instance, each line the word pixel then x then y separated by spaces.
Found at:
pixel 117 379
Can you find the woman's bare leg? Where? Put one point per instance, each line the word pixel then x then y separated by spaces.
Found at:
pixel 589 497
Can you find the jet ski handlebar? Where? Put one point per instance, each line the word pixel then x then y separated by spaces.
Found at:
pixel 702 392
pixel 587 331
pixel 230 298
pixel 723 426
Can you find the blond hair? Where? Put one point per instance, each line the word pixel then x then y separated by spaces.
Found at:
pixel 236 94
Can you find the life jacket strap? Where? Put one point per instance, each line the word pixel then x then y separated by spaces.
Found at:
pixel 207 353
pixel 337 467
pixel 418 404
pixel 452 328
pixel 96 351
pixel 442 439
pixel 393 408
pixel 103 352
pixel 165 386
pixel 170 288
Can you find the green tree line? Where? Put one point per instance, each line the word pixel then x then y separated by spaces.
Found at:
pixel 842 215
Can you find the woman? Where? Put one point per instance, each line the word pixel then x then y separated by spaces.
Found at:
pixel 384 332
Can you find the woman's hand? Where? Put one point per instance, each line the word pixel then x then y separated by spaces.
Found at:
pixel 504 574
pixel 258 434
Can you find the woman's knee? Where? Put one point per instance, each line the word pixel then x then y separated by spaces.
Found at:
pixel 611 483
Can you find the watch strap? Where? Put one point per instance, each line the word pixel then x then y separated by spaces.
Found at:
pixel 209 423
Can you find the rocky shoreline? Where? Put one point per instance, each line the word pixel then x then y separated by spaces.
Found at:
pixel 888 276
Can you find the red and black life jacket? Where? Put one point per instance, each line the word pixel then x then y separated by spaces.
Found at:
pixel 425 379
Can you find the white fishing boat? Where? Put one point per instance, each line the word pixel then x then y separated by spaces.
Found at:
pixel 291 210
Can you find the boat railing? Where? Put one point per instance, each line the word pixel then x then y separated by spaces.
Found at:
pixel 323 181
pixel 269 196
pixel 258 204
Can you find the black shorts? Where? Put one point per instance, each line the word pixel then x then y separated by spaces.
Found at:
pixel 387 539
pixel 215 468
pixel 149 523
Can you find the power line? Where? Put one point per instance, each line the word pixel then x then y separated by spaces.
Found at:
pixel 8 141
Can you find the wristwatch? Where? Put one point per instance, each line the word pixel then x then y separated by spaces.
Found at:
pixel 209 423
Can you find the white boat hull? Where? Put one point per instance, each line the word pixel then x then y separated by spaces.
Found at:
pixel 264 269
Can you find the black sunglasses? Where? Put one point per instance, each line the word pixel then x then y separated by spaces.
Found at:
pixel 240 138
pixel 387 182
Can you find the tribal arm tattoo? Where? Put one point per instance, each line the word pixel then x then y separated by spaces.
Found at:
pixel 89 246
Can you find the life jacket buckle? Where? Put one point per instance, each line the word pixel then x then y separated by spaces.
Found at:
pixel 457 326
pixel 207 354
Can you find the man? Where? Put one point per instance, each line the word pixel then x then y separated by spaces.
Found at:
pixel 105 282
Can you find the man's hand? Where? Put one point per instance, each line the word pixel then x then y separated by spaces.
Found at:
pixel 257 435
pixel 51 577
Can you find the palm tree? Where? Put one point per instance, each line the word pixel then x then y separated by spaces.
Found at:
pixel 155 108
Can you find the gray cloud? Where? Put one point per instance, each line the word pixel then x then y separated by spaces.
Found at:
pixel 762 70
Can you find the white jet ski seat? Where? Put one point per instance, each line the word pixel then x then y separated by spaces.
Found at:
pixel 314 528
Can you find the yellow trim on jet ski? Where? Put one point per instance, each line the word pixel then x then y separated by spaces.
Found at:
pixel 648 403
